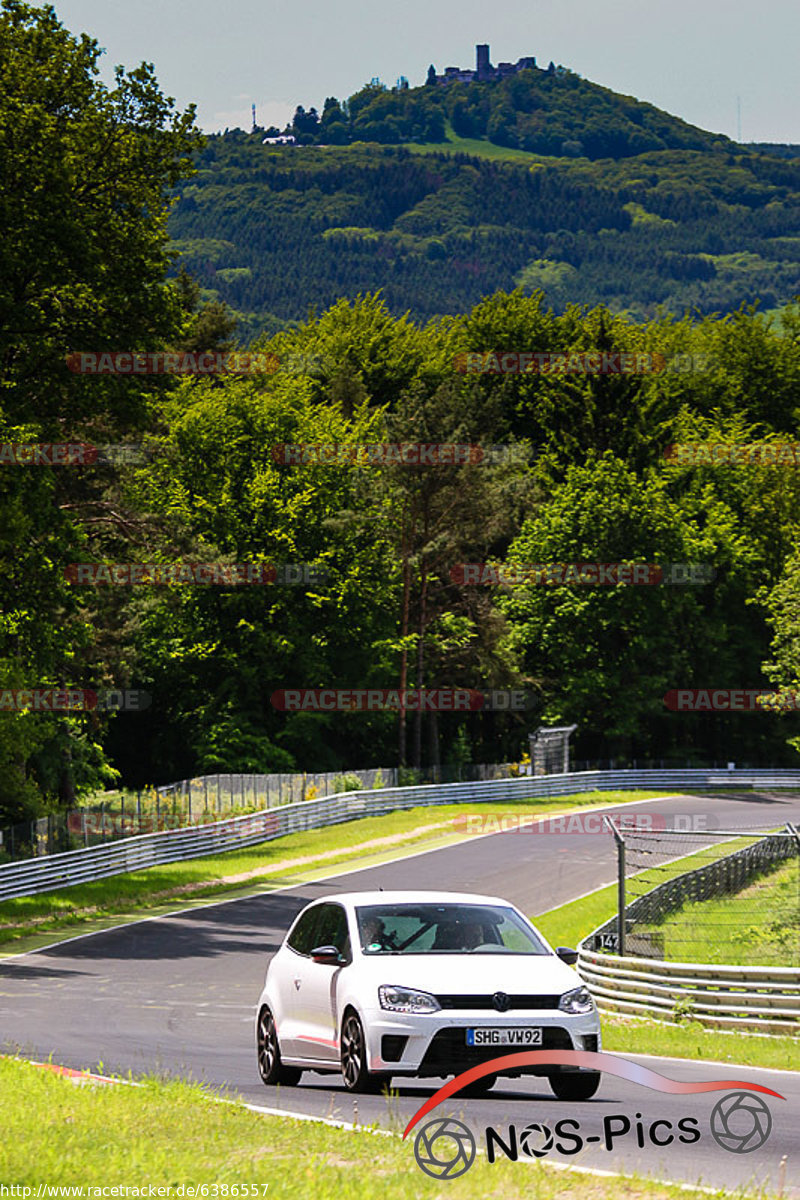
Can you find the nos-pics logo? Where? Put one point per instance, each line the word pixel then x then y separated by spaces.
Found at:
pixel 445 1148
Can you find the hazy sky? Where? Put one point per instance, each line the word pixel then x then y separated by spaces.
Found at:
pixel 691 57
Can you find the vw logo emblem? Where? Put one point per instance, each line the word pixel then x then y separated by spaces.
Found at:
pixel 740 1122
pixel 501 1001
pixel 444 1148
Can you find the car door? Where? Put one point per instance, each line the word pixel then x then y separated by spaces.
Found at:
pixel 290 978
pixel 318 988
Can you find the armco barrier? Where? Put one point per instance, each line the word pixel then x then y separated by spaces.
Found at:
pixel 36 875
pixel 763 998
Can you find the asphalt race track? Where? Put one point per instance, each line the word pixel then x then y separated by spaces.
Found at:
pixel 177 995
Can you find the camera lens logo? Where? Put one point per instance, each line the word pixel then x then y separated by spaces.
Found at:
pixel 533 1134
pixel 740 1122
pixel 444 1149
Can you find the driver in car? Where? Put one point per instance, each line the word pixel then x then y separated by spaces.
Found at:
pixel 458 935
pixel 472 935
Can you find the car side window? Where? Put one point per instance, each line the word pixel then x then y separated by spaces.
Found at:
pixel 332 929
pixel 303 937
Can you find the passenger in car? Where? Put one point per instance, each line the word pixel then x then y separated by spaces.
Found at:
pixel 373 933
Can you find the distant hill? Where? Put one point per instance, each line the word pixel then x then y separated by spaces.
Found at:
pixel 776 149
pixel 635 208
pixel 552 112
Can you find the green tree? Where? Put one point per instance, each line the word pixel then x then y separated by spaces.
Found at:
pixel 83 203
pixel 607 655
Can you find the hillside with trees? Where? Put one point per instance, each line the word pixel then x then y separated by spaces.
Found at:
pixel 273 230
pixel 552 112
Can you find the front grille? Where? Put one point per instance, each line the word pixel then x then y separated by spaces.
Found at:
pixel 448 1053
pixel 487 1001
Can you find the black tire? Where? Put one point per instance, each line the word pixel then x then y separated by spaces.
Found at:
pixel 355 1075
pixel 270 1067
pixel 578 1086
pixel 479 1087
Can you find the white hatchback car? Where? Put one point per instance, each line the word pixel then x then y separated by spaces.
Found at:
pixel 383 984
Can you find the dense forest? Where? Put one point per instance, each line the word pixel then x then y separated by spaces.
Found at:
pixel 273 231
pixel 590 481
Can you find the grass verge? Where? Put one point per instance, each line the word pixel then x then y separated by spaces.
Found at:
pixel 629 1035
pixel 168 1134
pixel 482 148
pixel 293 859
pixel 758 926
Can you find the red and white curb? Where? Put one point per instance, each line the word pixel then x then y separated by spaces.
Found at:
pixel 79 1077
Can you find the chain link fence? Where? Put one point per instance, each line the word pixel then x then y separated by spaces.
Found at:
pixel 705 896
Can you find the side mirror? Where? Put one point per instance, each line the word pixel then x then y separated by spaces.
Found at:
pixel 329 956
pixel 570 957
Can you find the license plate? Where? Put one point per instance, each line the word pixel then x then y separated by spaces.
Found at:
pixel 504 1037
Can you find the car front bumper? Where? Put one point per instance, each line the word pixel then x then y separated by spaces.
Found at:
pixel 435 1044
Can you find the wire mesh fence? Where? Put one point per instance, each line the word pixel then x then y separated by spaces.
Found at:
pixel 705 896
pixel 205 798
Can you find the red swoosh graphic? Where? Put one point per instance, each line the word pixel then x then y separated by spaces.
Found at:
pixel 609 1064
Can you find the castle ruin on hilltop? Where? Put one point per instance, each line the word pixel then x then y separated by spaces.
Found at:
pixel 484 71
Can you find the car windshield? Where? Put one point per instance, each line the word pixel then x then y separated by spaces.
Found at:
pixel 445 929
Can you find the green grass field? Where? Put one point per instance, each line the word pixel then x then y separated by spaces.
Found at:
pixel 759 926
pixel 574 921
pixel 480 148
pixel 172 1134
pixel 630 1035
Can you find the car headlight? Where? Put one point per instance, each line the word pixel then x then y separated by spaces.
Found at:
pixel 407 1000
pixel 577 1001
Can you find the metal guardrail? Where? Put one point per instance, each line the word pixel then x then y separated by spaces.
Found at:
pixel 726 997
pixel 762 998
pixel 37 875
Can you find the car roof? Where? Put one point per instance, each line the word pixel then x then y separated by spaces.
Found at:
pixel 412 897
